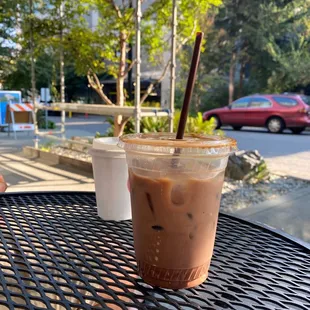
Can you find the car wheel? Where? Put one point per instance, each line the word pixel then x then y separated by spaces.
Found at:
pixel 237 127
pixel 297 130
pixel 217 121
pixel 275 125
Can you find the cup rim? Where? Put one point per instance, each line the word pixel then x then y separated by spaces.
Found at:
pixel 193 141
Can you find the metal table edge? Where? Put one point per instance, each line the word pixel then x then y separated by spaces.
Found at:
pixel 265 227
pixel 270 229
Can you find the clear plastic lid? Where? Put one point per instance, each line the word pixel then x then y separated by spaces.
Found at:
pixel 166 143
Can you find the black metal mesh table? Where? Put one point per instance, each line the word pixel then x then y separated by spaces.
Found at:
pixel 55 253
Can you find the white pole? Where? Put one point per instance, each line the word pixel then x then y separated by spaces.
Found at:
pixel 62 73
pixel 138 68
pixel 33 79
pixel 173 63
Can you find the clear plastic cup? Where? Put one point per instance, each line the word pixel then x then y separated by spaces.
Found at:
pixel 175 188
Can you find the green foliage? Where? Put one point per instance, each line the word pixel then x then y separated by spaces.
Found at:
pixel 42 123
pixel 44 71
pixel 190 16
pixel 8 39
pixel 154 124
pixel 270 40
pixel 96 48
pixel 217 96
pixel 43 28
pixel 196 124
pixel 161 124
pixel 293 65
pixel 47 146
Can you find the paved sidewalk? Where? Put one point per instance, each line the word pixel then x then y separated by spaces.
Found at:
pixel 295 165
pixel 290 213
pixel 24 174
pixel 10 145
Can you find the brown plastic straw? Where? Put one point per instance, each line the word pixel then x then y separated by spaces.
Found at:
pixel 190 85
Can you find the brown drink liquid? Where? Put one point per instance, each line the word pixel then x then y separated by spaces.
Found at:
pixel 174 226
pixel 175 203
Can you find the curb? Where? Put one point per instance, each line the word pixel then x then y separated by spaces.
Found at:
pixel 56 159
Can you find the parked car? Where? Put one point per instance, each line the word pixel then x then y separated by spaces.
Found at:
pixel 275 112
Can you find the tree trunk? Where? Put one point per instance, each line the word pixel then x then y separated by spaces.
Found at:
pixel 241 79
pixel 119 122
pixel 231 87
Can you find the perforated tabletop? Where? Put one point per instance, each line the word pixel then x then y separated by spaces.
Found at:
pixel 55 253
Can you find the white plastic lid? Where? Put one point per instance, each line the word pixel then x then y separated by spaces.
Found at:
pixel 108 144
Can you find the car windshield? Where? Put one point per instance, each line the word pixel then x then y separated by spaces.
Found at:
pixel 306 99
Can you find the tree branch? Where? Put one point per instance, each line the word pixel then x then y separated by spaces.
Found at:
pixel 157 6
pixel 97 80
pixel 128 20
pixel 151 86
pixel 96 85
pixel 124 120
pixel 123 124
pixel 184 41
pixel 116 8
pixel 129 67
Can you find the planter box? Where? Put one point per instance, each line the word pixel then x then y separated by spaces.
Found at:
pixel 56 159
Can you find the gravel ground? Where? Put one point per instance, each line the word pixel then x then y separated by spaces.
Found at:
pixel 236 194
pixel 70 153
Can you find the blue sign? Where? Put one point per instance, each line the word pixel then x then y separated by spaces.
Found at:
pixel 5 97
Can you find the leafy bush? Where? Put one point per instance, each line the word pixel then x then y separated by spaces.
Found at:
pixel 161 124
pixel 47 146
pixel 42 123
pixel 154 124
pixel 197 124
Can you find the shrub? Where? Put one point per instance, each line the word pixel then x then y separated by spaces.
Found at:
pixel 161 124
pixel 42 123
pixel 197 124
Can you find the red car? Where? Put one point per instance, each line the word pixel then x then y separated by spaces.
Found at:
pixel 275 112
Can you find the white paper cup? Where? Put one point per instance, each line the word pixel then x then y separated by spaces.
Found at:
pixel 111 175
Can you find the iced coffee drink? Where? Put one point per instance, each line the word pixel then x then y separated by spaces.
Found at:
pixel 175 198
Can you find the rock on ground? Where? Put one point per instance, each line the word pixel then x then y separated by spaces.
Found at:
pixel 247 166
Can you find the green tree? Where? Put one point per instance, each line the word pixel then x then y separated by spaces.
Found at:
pixel 288 49
pixel 270 39
pixel 46 72
pixel 35 28
pixel 104 49
pixel 9 50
